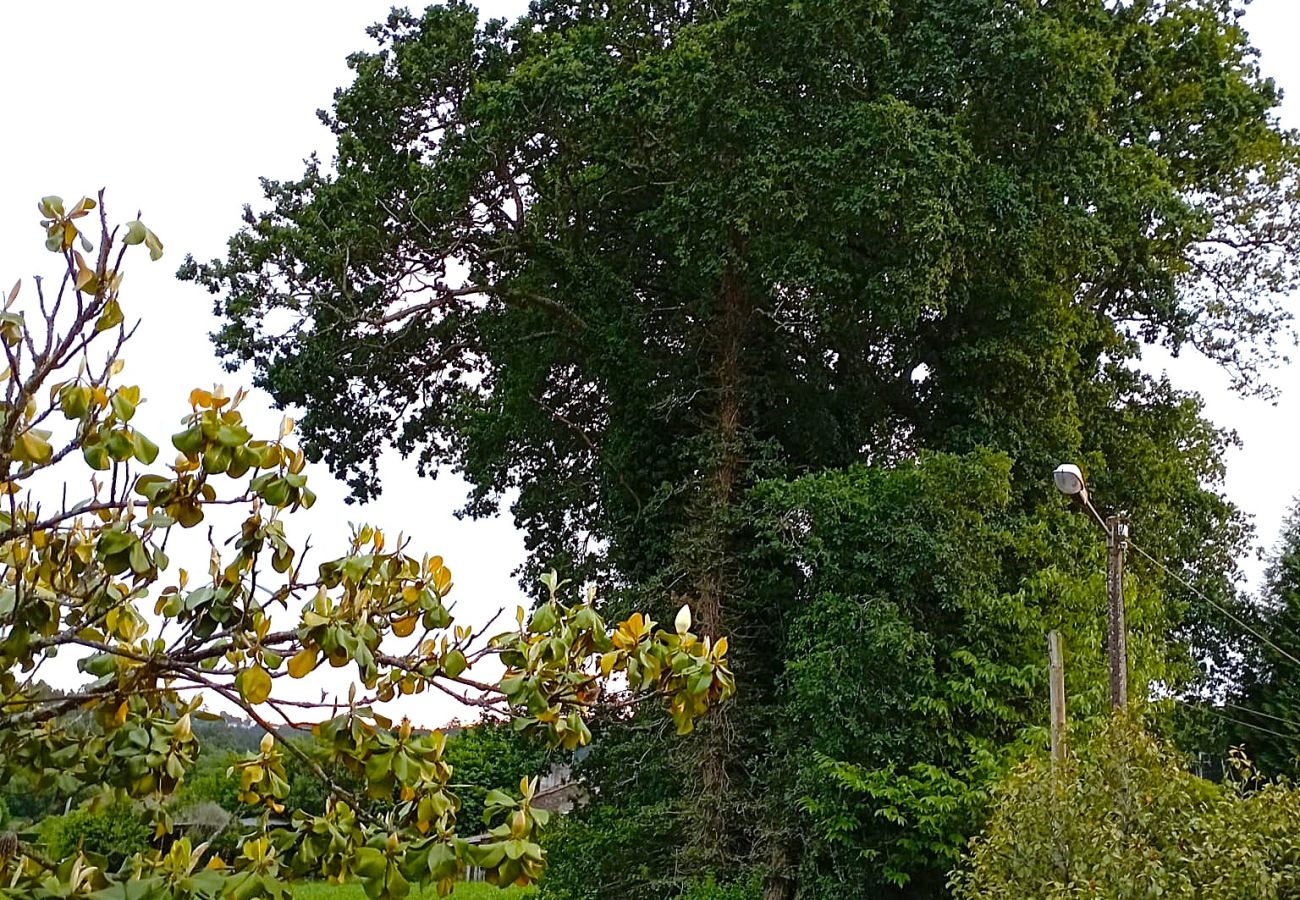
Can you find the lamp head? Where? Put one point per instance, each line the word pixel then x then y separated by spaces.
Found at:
pixel 1069 480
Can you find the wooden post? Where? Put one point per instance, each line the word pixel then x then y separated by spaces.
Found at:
pixel 1117 639
pixel 1056 672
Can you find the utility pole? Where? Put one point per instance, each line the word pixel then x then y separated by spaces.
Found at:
pixel 1117 642
pixel 1056 680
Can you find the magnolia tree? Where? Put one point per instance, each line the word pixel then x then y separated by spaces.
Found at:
pixel 85 566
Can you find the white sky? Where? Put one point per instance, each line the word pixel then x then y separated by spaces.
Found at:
pixel 178 108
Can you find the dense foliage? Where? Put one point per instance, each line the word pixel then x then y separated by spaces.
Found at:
pixel 77 573
pixel 1124 818
pixel 113 832
pixel 1266 716
pixel 624 261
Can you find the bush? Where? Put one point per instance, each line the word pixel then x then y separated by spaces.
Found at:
pixel 212 782
pixel 606 851
pixel 750 888
pixel 1125 819
pixel 115 832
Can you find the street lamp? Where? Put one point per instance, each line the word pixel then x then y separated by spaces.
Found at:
pixel 1069 480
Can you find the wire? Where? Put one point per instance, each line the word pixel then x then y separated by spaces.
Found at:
pixel 1214 711
pixel 1257 712
pixel 1199 593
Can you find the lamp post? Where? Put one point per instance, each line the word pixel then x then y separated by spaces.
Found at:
pixel 1069 480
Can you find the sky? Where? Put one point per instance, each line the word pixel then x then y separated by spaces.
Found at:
pixel 178 109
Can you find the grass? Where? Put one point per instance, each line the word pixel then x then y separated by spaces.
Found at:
pixel 322 891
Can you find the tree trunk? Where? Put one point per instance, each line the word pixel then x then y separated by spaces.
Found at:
pixel 711 554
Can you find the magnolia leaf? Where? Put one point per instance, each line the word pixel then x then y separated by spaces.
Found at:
pixel 255 684
pixel 145 450
pixel 454 663
pixel 303 662
pixel 135 233
pixel 32 447
pixel 155 246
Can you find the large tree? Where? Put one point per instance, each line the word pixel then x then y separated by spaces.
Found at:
pixel 623 261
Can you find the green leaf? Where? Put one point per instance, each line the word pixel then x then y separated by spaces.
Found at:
pixel 544 619
pixel 123 404
pixel 96 456
pixel 140 562
pixel 114 541
pixel 135 232
pixel 454 663
pixel 145 450
pixel 188 441
pixel 74 400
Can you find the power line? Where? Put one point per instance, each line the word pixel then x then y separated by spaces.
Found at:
pixel 1214 711
pixel 1258 712
pixel 1214 605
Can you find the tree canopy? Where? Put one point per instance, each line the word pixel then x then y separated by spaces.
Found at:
pixel 92 573
pixel 624 262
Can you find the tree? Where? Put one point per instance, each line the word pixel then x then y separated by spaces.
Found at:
pixel 1269 701
pixel 82 575
pixel 1125 819
pixel 488 756
pixel 710 244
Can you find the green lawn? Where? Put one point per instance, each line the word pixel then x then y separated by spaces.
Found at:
pixel 322 891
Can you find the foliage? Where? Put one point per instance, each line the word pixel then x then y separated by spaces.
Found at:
pixel 114 831
pixel 487 756
pixel 915 648
pixel 467 891
pixel 78 574
pixel 1124 818
pixel 622 841
pixel 1269 700
pixel 708 888
pixel 711 243
pixel 609 850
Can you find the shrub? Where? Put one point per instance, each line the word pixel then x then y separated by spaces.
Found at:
pixel 115 832
pixel 748 888
pixel 1125 819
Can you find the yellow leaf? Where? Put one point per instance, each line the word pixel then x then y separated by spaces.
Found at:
pixel 120 716
pixel 32 448
pixel 404 627
pixel 303 662
pixel 255 684
pixel 720 648
pixel 607 661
